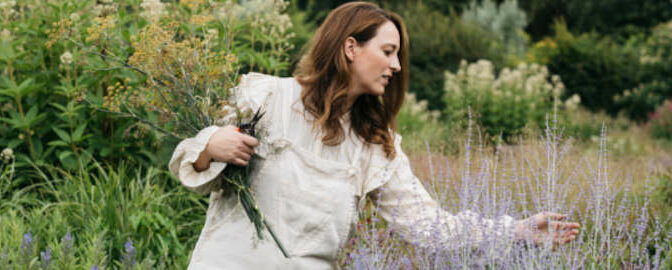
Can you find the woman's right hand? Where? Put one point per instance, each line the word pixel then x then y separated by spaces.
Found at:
pixel 227 145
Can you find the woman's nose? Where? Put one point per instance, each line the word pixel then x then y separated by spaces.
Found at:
pixel 395 66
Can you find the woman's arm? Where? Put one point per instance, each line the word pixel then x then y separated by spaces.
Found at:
pixel 405 203
pixel 198 160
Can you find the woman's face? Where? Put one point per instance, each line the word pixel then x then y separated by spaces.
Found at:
pixel 373 63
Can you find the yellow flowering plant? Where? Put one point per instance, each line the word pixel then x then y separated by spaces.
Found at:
pixel 177 71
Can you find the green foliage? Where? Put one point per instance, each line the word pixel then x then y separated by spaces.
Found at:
pixel 88 218
pixel 438 43
pixel 506 20
pixel 504 104
pixel 45 75
pixel 655 67
pixel 597 69
pixel 660 123
pixel 615 18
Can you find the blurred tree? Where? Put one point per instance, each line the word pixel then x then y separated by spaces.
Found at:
pixel 616 18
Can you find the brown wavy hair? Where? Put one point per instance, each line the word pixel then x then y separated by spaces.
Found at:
pixel 324 74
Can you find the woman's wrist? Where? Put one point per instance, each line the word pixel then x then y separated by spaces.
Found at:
pixel 203 161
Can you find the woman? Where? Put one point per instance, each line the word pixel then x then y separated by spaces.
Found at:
pixel 330 143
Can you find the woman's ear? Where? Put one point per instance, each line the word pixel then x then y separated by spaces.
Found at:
pixel 349 48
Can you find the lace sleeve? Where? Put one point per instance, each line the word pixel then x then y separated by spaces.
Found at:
pixel 404 202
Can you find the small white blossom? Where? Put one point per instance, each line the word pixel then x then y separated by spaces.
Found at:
pixel 7 4
pixel 7 155
pixel 66 58
pixel 74 17
pixel 573 102
pixel 152 10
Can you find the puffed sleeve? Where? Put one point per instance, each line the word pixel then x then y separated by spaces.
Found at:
pixel 252 92
pixel 403 201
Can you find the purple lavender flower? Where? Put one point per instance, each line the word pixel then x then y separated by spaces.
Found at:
pixel 27 248
pixel 27 240
pixel 129 255
pixel 95 267
pixel 46 258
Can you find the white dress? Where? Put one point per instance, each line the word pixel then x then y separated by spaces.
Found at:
pixel 310 193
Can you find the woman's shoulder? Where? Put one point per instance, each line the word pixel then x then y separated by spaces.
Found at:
pixel 255 83
pixel 258 88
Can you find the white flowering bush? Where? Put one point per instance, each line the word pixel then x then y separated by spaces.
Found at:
pixel 502 104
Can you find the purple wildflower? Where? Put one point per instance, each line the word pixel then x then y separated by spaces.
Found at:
pixel 129 255
pixel 46 258
pixel 95 267
pixel 27 240
pixel 27 248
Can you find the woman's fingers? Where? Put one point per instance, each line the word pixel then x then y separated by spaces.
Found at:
pixel 557 225
pixel 243 148
pixel 244 156
pixel 553 216
pixel 249 140
pixel 239 162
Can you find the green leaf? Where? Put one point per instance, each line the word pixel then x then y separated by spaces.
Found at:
pixel 64 155
pixel 77 136
pixel 31 114
pixel 26 87
pixel 14 143
pixel 58 106
pixel 57 143
pixel 105 151
pixel 62 134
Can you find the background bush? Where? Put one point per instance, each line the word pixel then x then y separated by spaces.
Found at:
pixel 593 67
pixel 505 20
pixel 634 17
pixel 661 121
pixel 502 104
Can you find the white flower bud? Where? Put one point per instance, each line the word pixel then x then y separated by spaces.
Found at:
pixel 66 58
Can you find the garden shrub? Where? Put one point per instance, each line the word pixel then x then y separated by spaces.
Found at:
pixel 47 81
pixel 595 68
pixel 660 122
pixel 655 62
pixel 501 104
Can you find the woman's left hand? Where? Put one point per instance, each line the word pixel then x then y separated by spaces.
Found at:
pixel 546 228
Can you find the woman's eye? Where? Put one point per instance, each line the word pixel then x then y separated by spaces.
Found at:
pixel 388 53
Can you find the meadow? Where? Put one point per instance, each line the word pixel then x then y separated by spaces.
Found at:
pixel 504 123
